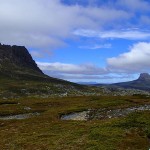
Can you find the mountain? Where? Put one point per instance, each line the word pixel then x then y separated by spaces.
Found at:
pixel 144 77
pixel 17 63
pixel 142 83
pixel 87 83
pixel 17 59
pixel 20 75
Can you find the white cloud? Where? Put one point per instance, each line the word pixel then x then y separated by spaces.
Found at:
pixel 79 77
pixel 136 60
pixel 39 23
pixel 89 77
pixel 132 34
pixel 96 46
pixel 84 72
pixel 86 69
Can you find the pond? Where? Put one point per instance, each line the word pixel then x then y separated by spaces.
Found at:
pixel 99 114
pixel 76 116
pixel 19 116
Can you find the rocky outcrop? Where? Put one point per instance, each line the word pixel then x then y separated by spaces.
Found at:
pixel 17 57
pixel 144 77
pixel 142 83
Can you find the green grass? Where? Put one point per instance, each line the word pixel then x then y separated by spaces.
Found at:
pixel 13 88
pixel 48 132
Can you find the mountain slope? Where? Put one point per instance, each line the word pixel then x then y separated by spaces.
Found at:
pixel 17 63
pixel 142 83
pixel 20 75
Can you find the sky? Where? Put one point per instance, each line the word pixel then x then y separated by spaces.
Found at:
pixel 103 41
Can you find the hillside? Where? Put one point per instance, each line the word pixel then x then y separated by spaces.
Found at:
pixel 142 83
pixel 17 63
pixel 20 75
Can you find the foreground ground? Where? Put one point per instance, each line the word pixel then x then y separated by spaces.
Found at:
pixel 48 132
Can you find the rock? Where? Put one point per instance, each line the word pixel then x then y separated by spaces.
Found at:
pixel 144 76
pixel 16 57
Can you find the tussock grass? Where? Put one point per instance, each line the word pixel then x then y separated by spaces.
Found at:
pixel 48 132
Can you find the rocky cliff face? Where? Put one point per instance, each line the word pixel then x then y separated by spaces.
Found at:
pixel 20 75
pixel 17 57
pixel 144 77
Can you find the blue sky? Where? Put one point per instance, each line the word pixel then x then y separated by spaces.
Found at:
pixel 101 41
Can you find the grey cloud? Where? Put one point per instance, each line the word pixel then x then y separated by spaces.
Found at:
pixel 86 69
pixel 82 72
pixel 39 23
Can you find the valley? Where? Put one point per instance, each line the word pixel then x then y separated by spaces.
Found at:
pixel 48 131
pixel 35 109
pixel 75 75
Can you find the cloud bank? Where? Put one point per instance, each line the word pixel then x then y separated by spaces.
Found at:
pixel 130 34
pixel 134 61
pixel 47 23
pixel 86 69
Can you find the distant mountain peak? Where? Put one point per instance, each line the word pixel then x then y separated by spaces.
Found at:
pixel 144 76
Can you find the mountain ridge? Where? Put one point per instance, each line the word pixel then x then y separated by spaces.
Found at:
pixel 20 75
pixel 17 63
pixel 142 83
pixel 16 58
